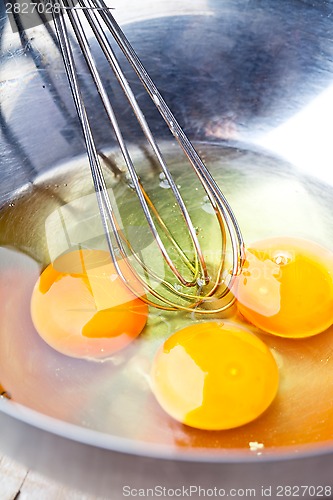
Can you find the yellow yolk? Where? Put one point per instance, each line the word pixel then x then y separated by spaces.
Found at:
pixel 81 307
pixel 286 287
pixel 214 377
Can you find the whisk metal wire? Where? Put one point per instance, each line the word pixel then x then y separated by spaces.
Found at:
pixel 96 11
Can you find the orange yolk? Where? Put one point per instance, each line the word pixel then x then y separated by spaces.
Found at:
pixel 81 307
pixel 214 377
pixel 286 287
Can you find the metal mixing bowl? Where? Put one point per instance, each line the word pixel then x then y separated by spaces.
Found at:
pixel 239 73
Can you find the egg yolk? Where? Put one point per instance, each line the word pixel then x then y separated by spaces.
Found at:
pixel 82 308
pixel 214 377
pixel 286 287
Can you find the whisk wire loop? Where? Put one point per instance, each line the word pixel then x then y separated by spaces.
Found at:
pixel 98 179
pixel 117 242
pixel 109 54
pixel 218 199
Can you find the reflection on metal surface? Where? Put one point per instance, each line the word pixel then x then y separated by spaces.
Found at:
pixel 306 139
pixel 151 9
pixel 243 69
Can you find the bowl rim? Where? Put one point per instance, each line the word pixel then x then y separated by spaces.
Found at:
pixel 145 449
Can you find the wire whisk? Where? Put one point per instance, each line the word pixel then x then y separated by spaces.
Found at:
pixel 195 288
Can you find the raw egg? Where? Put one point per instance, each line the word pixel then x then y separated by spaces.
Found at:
pixel 213 376
pixel 286 287
pixel 82 308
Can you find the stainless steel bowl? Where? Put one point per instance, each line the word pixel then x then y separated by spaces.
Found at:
pixel 248 75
